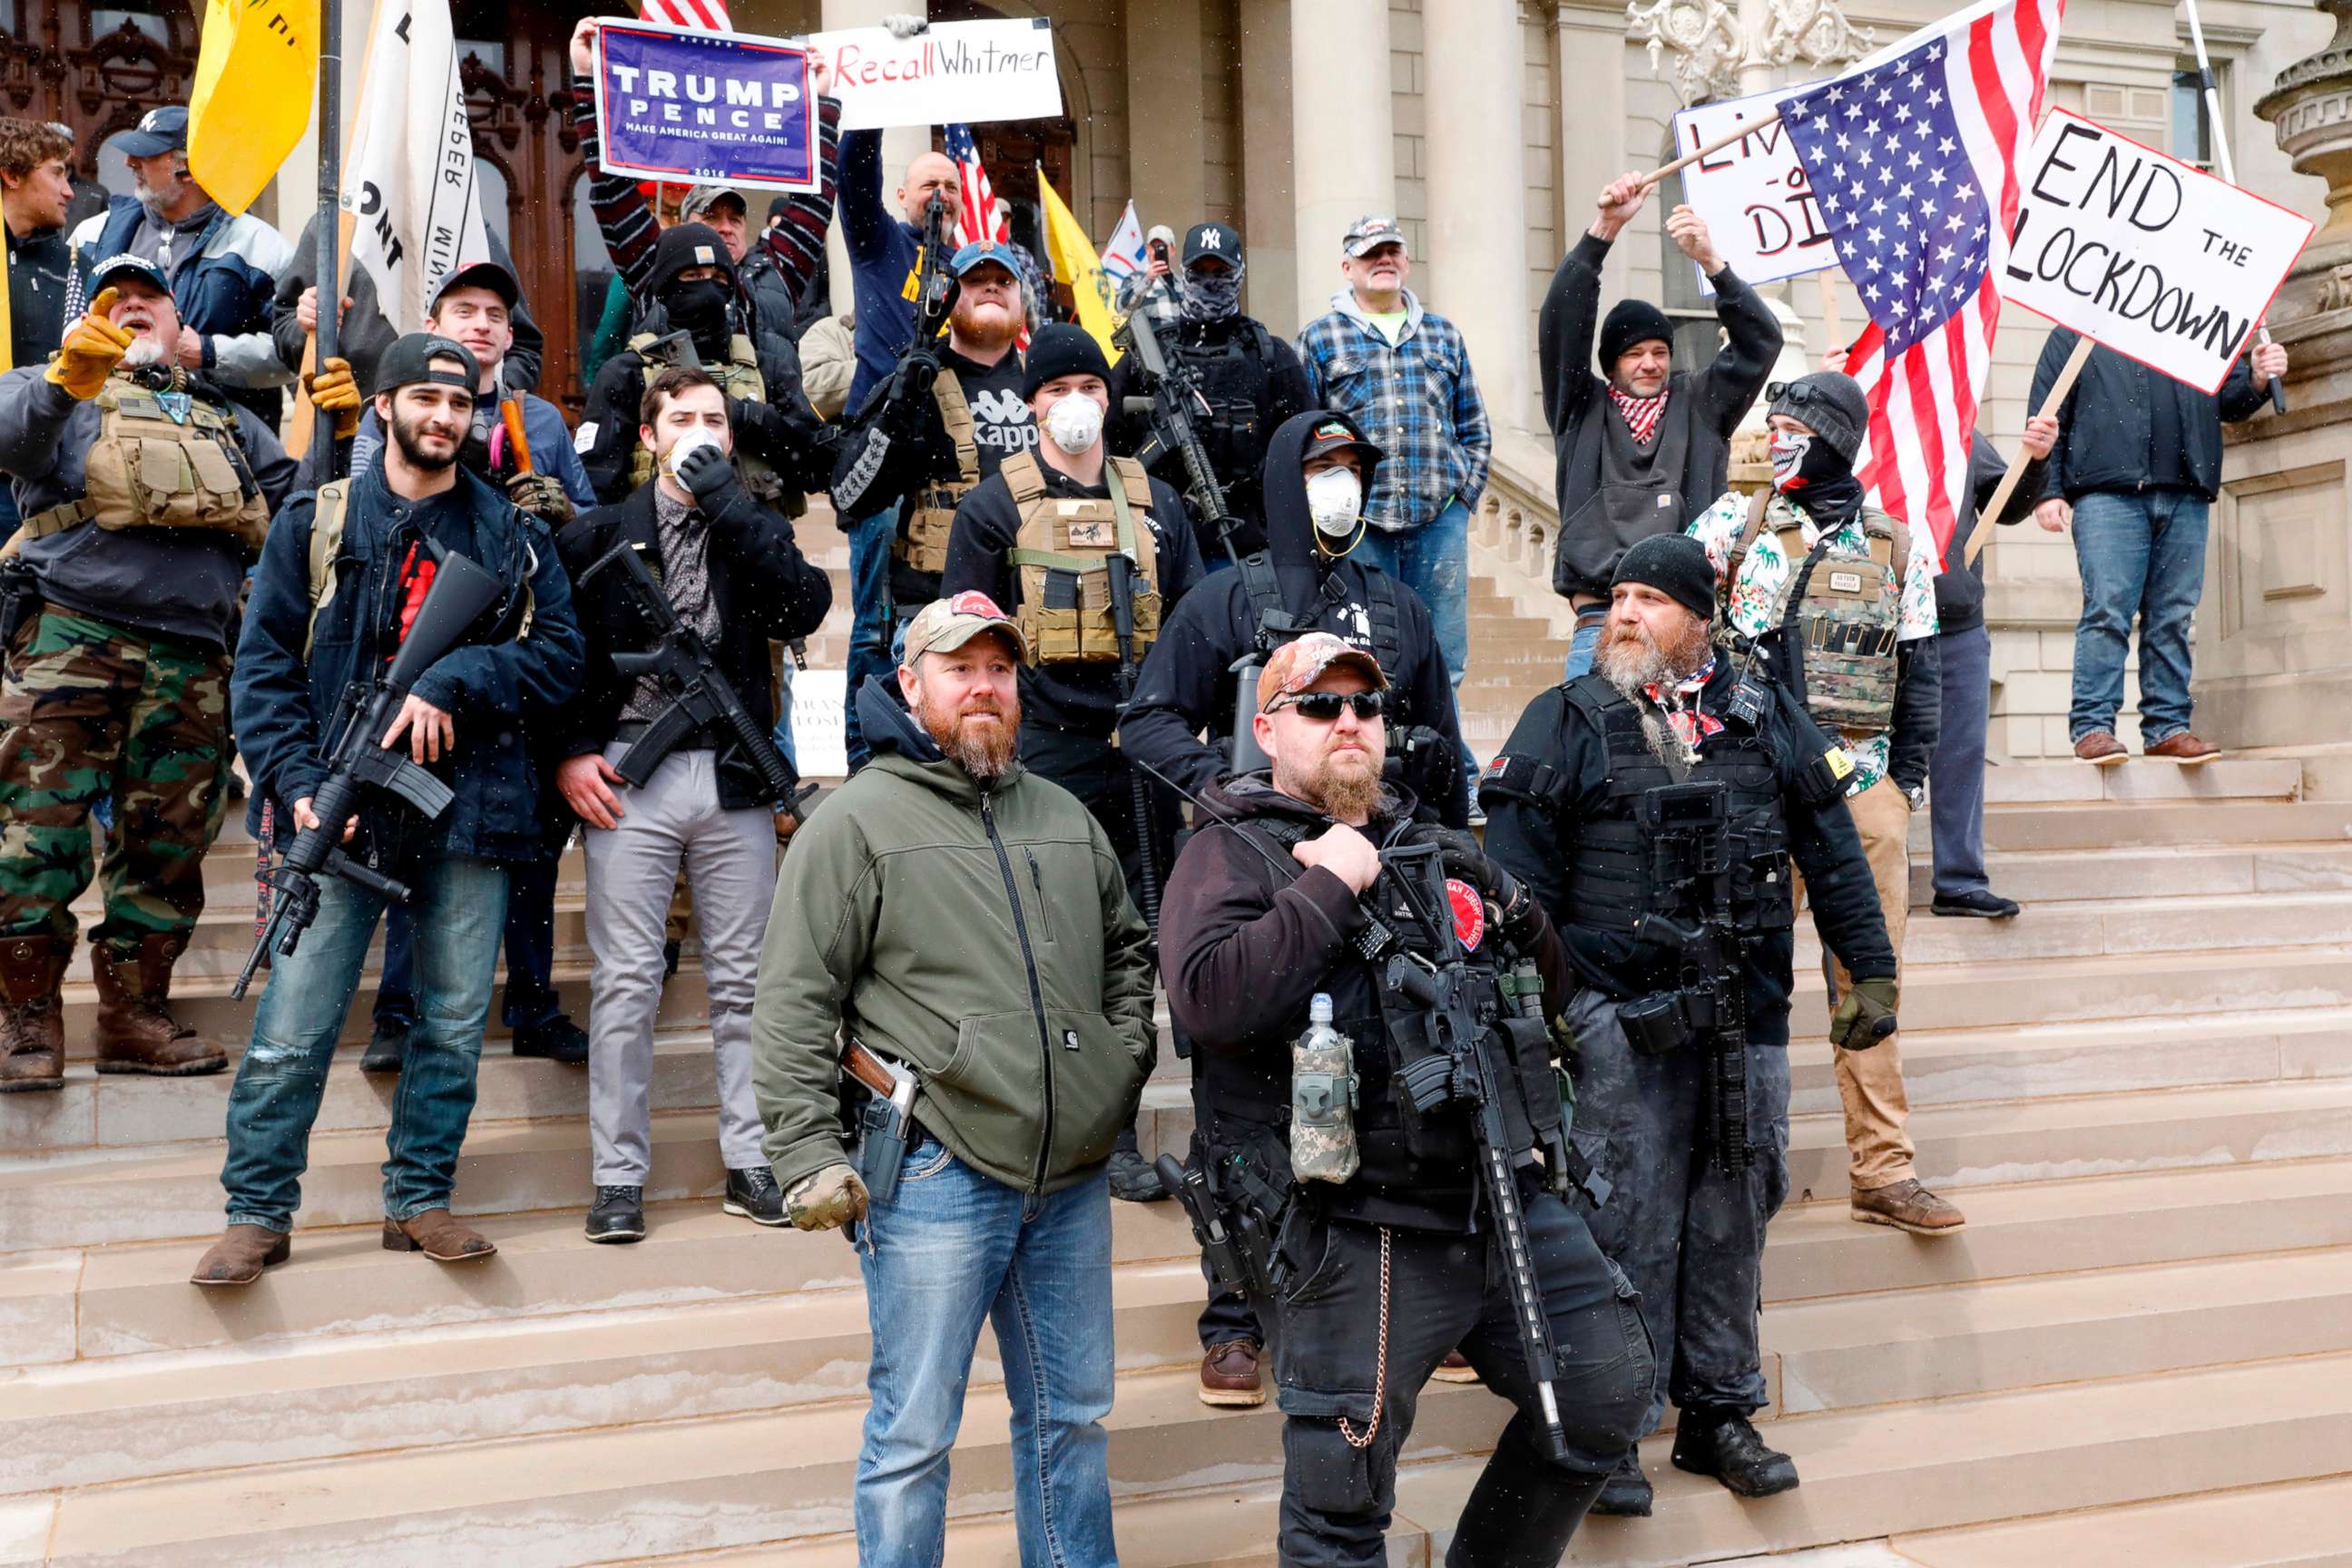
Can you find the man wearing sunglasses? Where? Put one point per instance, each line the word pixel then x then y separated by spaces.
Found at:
pixel 1585 807
pixel 1386 1271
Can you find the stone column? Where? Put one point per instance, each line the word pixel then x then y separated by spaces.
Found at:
pixel 1166 157
pixel 899 144
pixel 1472 84
pixel 1342 146
pixel 1268 211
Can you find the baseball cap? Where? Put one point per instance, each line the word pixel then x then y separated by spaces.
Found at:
pixel 123 265
pixel 1296 665
pixel 1371 230
pixel 701 196
pixel 160 131
pixel 945 624
pixel 478 275
pixel 981 250
pixel 1216 239
pixel 409 363
pixel 1333 431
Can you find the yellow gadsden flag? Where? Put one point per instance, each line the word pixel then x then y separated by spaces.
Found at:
pixel 257 73
pixel 1076 264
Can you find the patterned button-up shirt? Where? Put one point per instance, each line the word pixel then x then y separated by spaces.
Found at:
pixel 1416 399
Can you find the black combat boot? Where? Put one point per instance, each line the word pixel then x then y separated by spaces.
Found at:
pixel 1723 1443
pixel 1626 1493
pixel 1524 1511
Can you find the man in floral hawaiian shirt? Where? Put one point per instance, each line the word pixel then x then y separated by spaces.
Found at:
pixel 1838 600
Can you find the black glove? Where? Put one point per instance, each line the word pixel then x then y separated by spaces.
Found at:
pixel 705 473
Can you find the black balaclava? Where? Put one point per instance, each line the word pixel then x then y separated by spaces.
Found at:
pixel 700 309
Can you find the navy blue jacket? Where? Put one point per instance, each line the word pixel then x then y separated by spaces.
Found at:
pixel 882 247
pixel 222 286
pixel 495 689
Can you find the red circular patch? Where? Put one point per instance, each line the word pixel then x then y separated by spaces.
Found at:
pixel 1469 913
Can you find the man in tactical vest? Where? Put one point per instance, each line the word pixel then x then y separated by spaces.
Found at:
pixel 144 493
pixel 1380 1240
pixel 976 417
pixel 734 577
pixel 1838 600
pixel 1252 379
pixel 1655 807
pixel 308 665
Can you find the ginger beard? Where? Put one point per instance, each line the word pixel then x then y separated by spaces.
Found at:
pixel 977 735
pixel 1340 775
pixel 983 323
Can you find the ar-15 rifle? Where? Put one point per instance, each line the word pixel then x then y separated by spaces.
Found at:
pixel 461 591
pixel 699 696
pixel 893 414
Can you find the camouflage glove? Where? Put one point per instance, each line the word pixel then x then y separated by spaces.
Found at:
pixel 830 1198
pixel 93 346
pixel 542 496
pixel 333 390
pixel 1866 1015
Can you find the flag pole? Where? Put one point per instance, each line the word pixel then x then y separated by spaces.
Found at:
pixel 1712 148
pixel 2050 402
pixel 331 179
pixel 2222 155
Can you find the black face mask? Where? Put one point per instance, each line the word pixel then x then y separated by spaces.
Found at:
pixel 700 309
pixel 1806 470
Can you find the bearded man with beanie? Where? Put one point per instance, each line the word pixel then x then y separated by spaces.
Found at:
pixel 1578 810
pixel 1837 600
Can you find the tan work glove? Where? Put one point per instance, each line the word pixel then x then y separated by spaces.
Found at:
pixel 542 496
pixel 829 1199
pixel 93 346
pixel 332 389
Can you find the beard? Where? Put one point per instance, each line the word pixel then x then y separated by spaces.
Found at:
pixel 408 435
pixel 143 350
pixel 1344 786
pixel 1631 659
pixel 984 326
pixel 984 751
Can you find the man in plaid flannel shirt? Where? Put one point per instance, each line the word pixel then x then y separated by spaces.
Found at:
pixel 1402 375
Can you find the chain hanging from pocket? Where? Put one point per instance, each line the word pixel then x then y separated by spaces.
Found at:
pixel 1381 1371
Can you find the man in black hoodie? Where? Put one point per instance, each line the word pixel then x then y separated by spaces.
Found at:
pixel 1646 444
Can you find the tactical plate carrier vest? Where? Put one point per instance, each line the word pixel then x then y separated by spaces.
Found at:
pixel 922 538
pixel 1841 610
pixel 1063 554
pixel 151 467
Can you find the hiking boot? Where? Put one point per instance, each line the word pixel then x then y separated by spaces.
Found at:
pixel 385 1045
pixel 2183 748
pixel 2101 750
pixel 617 1214
pixel 1982 903
pixel 240 1255
pixel 1725 1446
pixel 1455 1368
pixel 1132 1179
pixel 136 1031
pixel 753 1194
pixel 32 1014
pixel 1230 1376
pixel 1626 1493
pixel 438 1236
pixel 556 1040
pixel 1906 1205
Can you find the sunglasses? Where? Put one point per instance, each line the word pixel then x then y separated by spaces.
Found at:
pixel 1796 392
pixel 1323 707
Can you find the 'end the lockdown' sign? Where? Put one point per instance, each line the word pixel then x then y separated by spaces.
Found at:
pixel 693 108
pixel 2144 254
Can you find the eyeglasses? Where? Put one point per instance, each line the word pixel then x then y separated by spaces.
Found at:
pixel 1323 707
pixel 1797 392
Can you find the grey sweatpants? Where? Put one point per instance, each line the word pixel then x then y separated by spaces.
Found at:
pixel 729 857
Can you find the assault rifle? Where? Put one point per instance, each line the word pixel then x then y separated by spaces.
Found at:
pixel 895 414
pixel 1120 571
pixel 700 700
pixel 358 757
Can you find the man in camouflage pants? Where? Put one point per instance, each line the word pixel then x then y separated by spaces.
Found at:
pixel 144 493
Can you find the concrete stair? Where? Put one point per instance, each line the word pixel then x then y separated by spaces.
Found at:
pixel 2138 1350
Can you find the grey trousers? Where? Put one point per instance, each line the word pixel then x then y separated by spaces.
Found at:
pixel 729 857
pixel 1956 772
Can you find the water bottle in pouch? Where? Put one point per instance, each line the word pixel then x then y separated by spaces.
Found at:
pixel 1322 1099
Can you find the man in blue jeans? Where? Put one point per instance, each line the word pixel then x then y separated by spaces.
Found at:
pixel 1402 375
pixel 464 719
pixel 2137 464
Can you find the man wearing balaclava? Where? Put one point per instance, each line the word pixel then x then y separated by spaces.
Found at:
pixel 1837 600
pixel 1252 379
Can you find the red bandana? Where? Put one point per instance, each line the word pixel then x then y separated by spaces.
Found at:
pixel 1641 414
pixel 1680 707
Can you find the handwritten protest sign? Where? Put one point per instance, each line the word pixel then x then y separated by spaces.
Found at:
pixel 704 108
pixel 2148 256
pixel 1753 193
pixel 968 72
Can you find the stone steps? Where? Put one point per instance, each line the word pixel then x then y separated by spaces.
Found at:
pixel 2296 1525
pixel 2117 927
pixel 2068 875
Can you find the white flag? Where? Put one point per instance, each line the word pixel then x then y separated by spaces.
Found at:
pixel 408 184
pixel 1124 254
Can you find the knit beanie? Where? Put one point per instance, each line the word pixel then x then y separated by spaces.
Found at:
pixel 1631 322
pixel 1675 564
pixel 1829 403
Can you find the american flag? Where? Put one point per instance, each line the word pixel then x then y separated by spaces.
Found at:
pixel 978 198
pixel 710 16
pixel 1913 157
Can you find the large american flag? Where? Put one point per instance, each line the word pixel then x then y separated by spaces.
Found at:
pixel 1913 158
pixel 978 197
pixel 710 16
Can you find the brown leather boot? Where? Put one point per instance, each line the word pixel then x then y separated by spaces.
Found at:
pixel 438 1236
pixel 136 1031
pixel 240 1255
pixel 32 1014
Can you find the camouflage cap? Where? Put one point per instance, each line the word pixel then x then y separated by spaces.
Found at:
pixel 945 624
pixel 1300 663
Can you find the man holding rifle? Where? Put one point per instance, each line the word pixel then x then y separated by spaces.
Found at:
pixel 670 766
pixel 312 663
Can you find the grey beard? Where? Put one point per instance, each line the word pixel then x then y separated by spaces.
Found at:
pixel 1677 757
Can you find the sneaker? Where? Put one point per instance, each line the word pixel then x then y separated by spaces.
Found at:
pixel 384 1046
pixel 1132 1179
pixel 2101 750
pixel 617 1214
pixel 1626 1493
pixel 1906 1205
pixel 753 1194
pixel 1455 1368
pixel 1726 1447
pixel 1982 903
pixel 556 1040
pixel 1231 1377
pixel 2183 748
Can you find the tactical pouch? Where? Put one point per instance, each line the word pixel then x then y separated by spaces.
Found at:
pixel 922 540
pixel 1657 1024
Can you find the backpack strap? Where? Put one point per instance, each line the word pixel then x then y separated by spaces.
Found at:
pixel 1134 481
pixel 328 512
pixel 1749 532
pixel 1388 625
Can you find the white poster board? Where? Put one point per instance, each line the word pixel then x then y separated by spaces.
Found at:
pixel 820 738
pixel 1753 193
pixel 2142 253
pixel 968 72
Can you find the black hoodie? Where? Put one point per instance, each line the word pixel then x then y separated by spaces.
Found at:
pixel 1188 683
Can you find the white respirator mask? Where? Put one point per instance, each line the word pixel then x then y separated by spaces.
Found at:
pixel 1075 423
pixel 1335 499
